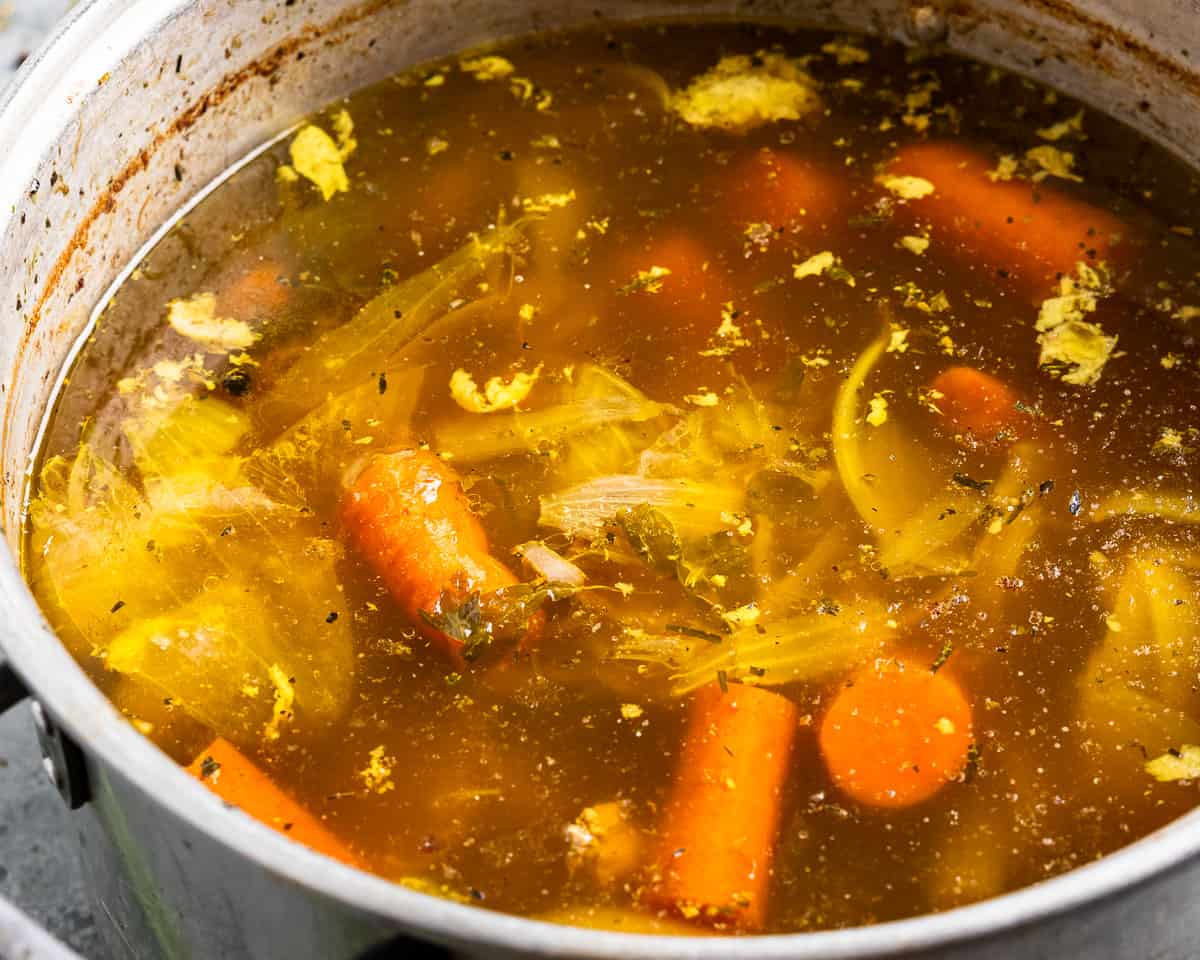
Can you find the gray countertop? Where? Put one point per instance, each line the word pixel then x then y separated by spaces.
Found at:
pixel 39 865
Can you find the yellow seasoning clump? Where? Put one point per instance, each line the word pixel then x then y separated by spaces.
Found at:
pixel 815 265
pixel 285 699
pixel 1006 168
pixel 743 92
pixel 845 52
pixel 377 774
pixel 646 281
pixel 196 318
pixel 1073 347
pixel 547 202
pixel 1170 441
pixel 487 68
pixel 1181 764
pixel 906 187
pixel 1052 162
pixel 1056 131
pixel 321 158
pixel 705 398
pixel 496 395
pixel 897 340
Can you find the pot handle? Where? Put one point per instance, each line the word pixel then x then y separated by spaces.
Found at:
pixel 12 688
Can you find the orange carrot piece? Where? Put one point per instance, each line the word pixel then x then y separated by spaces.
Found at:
pixel 693 278
pixel 721 820
pixel 975 401
pixel 1031 230
pixel 688 299
pixel 782 190
pixel 236 780
pixel 896 734
pixel 408 516
pixel 257 293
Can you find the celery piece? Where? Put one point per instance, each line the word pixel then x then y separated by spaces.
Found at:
pixel 352 354
pixel 191 435
pixel 692 507
pixel 1138 685
pixel 597 399
pixel 806 648
pixel 255 645
pixel 1173 507
pixel 306 463
pixel 886 476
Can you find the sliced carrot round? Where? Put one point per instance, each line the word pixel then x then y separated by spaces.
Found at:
pixel 974 400
pixel 896 734
pixel 260 292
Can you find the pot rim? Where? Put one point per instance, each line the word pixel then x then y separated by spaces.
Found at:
pixel 58 682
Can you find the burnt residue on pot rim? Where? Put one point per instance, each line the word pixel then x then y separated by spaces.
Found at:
pixel 1102 38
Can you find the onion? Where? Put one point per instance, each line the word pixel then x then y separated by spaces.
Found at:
pixel 546 563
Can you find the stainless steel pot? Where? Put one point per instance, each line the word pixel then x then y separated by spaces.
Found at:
pixel 129 111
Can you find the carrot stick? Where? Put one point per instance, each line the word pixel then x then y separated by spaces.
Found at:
pixel 720 822
pixel 781 190
pixel 1030 230
pixel 896 734
pixel 408 516
pixel 975 401
pixel 236 780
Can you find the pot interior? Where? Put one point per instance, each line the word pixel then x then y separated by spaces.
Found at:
pixel 172 118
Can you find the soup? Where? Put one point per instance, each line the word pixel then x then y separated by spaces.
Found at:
pixel 678 478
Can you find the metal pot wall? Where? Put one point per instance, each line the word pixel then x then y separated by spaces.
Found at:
pixel 133 107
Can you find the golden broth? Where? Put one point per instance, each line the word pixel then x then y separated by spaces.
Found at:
pixel 741 328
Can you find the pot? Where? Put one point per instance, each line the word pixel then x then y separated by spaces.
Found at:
pixel 121 120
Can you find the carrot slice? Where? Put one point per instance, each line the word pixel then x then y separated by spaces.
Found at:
pixel 720 822
pixel 975 401
pixel 896 734
pixel 673 282
pixel 691 275
pixel 1029 230
pixel 781 189
pixel 408 516
pixel 258 293
pixel 236 780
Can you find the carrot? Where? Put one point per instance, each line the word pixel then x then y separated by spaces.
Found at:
pixel 975 401
pixel 721 819
pixel 257 293
pixel 1029 230
pixel 780 189
pixel 896 734
pixel 408 516
pixel 236 780
pixel 693 275
pixel 673 281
